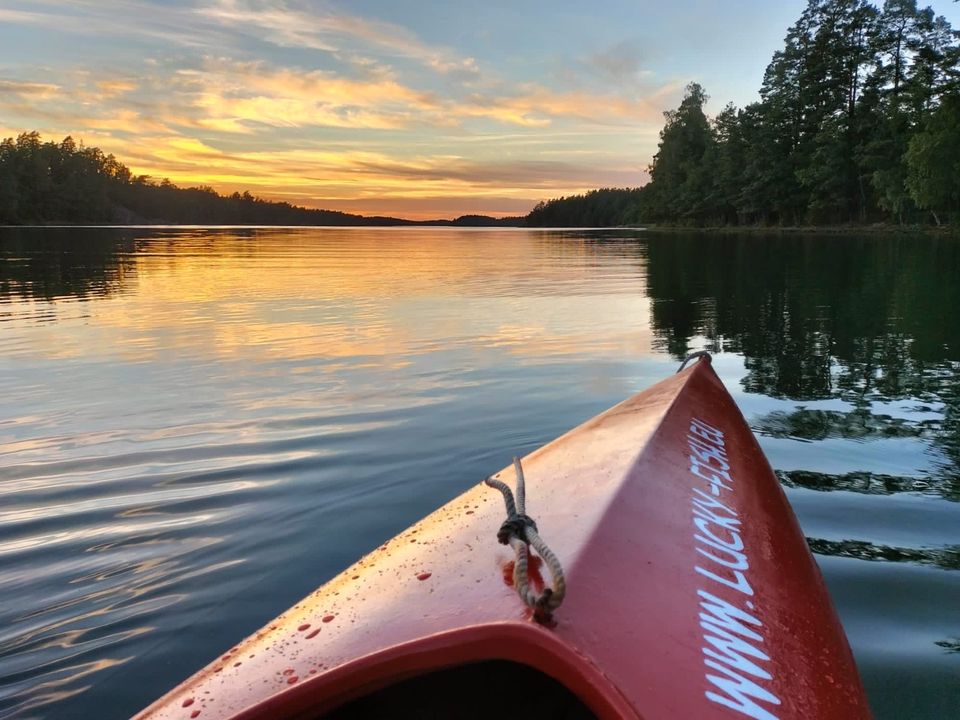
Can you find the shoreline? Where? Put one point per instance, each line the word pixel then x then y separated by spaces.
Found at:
pixel 873 229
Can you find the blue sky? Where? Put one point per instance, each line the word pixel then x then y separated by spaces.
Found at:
pixel 418 109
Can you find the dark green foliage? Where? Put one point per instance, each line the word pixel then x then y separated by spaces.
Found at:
pixel 856 123
pixel 678 170
pixel 47 182
pixel 933 161
pixel 598 208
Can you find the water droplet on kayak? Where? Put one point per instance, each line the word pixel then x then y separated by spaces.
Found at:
pixel 327 618
pixel 424 575
pixel 292 679
pixel 312 635
pixel 289 671
pixel 188 702
pixel 305 626
pixel 237 664
pixel 195 714
pixel 469 512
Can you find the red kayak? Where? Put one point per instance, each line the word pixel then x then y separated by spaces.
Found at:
pixel 684 589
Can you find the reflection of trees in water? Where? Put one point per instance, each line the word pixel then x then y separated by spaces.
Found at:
pixel 812 315
pixel 50 263
pixel 807 424
pixel 54 263
pixel 865 482
pixel 951 645
pixel 862 425
pixel 947 557
pixel 860 319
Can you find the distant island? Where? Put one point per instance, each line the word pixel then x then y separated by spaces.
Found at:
pixel 858 123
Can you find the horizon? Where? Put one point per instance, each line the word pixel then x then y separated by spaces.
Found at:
pixel 422 113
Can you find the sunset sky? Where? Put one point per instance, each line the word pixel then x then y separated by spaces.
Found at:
pixel 420 109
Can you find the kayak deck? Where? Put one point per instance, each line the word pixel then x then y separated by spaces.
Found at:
pixel 690 589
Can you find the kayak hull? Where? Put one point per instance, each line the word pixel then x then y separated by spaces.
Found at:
pixel 691 590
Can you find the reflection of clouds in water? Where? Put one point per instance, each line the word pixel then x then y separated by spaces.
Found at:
pixel 235 405
pixel 391 295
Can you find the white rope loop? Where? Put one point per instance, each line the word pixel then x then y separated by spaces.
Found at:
pixel 520 531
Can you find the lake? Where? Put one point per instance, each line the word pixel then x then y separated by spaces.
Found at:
pixel 199 426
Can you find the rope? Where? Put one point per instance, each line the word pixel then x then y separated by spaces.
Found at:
pixel 691 356
pixel 519 531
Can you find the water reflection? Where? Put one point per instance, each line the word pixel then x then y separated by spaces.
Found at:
pixel 814 317
pixel 860 482
pixel 947 558
pixel 201 425
pixel 811 424
pixel 368 296
pixel 866 321
pixel 65 263
pixel 952 645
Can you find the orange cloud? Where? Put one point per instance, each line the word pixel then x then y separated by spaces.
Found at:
pixel 112 88
pixel 231 97
pixel 280 131
pixel 29 90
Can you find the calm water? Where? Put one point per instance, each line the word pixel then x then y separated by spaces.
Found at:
pixel 197 427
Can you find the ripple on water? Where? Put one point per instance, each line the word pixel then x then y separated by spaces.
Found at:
pixel 199 426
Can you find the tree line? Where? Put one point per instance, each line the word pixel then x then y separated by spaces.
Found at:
pixel 66 182
pixel 858 121
pixel 43 182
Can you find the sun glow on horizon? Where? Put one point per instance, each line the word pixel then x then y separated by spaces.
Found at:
pixel 422 112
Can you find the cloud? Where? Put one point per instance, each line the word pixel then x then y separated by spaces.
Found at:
pixel 322 28
pixel 619 63
pixel 535 105
pixel 305 174
pixel 23 17
pixel 78 104
pixel 358 111
pixel 236 96
pixel 170 24
pixel 112 88
pixel 34 90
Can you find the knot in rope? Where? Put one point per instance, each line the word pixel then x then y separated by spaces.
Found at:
pixel 520 532
pixel 515 526
pixel 695 356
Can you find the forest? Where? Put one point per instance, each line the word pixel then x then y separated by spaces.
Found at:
pixel 65 182
pixel 858 122
pixel 51 182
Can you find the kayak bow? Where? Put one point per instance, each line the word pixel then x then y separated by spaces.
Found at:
pixel 690 593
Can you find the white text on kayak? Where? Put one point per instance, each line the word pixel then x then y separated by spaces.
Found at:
pixel 732 635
